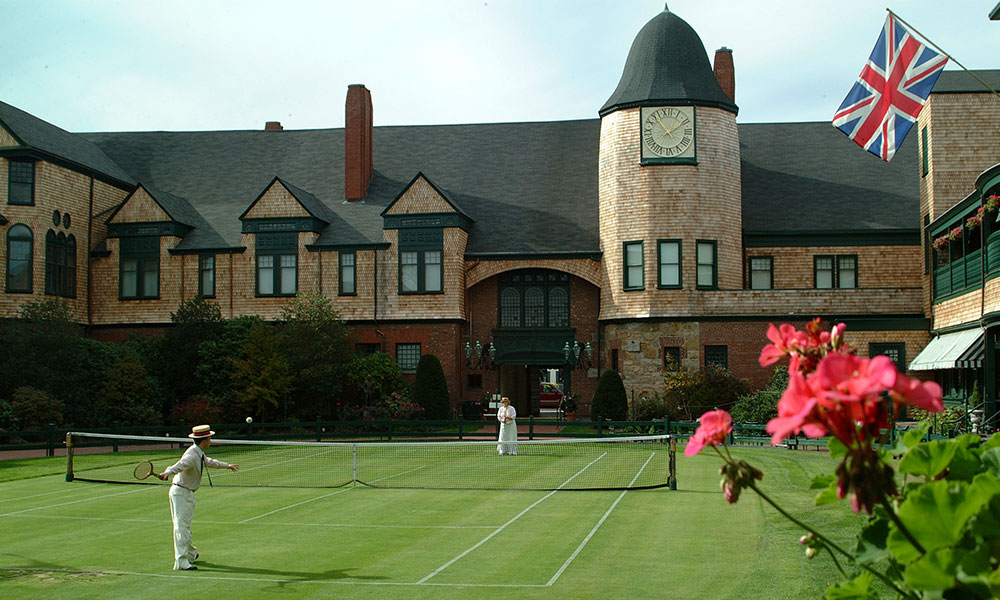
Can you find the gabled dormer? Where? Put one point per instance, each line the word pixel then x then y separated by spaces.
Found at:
pixel 430 233
pixel 148 211
pixel 282 207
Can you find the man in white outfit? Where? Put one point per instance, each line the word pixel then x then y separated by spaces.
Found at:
pixel 187 479
pixel 508 427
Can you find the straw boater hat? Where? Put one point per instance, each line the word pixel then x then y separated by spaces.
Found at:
pixel 200 432
pixel 505 399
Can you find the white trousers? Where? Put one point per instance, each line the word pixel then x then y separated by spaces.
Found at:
pixel 182 511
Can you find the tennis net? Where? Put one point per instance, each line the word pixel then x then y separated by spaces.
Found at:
pixel 564 464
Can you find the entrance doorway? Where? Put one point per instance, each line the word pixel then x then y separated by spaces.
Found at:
pixel 522 384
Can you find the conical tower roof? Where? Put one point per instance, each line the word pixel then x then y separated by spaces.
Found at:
pixel 667 65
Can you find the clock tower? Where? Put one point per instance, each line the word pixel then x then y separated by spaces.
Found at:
pixel 669 181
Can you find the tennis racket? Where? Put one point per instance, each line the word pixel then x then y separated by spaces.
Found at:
pixel 143 470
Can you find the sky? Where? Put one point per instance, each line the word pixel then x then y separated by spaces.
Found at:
pixel 187 65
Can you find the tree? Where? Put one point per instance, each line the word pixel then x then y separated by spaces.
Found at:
pixel 761 405
pixel 127 394
pixel 610 400
pixel 689 394
pixel 317 344
pixel 369 379
pixel 196 321
pixel 30 410
pixel 261 377
pixel 430 388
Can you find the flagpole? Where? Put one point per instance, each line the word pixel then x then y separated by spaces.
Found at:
pixel 950 57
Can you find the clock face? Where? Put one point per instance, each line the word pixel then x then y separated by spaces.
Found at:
pixel 668 132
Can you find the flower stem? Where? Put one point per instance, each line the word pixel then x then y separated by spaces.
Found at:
pixel 899 524
pixel 829 543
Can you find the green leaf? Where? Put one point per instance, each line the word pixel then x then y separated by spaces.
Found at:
pixel 872 542
pixel 911 438
pixel 820 482
pixel 933 571
pixel 984 488
pixel 828 495
pixel 935 514
pixel 965 464
pixel 986 523
pixel 855 589
pixel 993 442
pixel 837 448
pixel 991 460
pixel 929 459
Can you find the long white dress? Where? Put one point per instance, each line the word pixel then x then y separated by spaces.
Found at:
pixel 508 430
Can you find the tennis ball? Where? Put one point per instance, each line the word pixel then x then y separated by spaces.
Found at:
pixel 249 419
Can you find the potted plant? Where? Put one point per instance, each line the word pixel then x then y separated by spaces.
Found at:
pixel 570 405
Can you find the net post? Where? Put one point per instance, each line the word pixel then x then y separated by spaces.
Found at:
pixel 319 429
pixel 672 478
pixel 531 427
pixel 69 456
pixel 50 440
pixel 461 422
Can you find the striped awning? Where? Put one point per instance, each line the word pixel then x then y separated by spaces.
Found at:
pixel 955 350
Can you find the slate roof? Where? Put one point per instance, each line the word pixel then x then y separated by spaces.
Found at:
pixel 811 177
pixel 960 81
pixel 667 64
pixel 45 137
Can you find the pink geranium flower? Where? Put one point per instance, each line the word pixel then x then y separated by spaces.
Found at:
pixel 783 339
pixel 847 377
pixel 922 394
pixel 715 426
pixel 796 411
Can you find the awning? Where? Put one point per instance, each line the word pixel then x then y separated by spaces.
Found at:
pixel 956 350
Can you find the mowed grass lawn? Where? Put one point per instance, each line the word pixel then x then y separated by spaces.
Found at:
pixel 87 540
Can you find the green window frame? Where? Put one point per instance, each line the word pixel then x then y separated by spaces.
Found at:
pixel 706 257
pixel 838 271
pixel 20 259
pixel 536 298
pixel 717 356
pixel 21 182
pixel 277 264
pixel 206 275
pixel 60 264
pixel 896 351
pixel 669 260
pixel 633 265
pixel 421 261
pixel 139 268
pixel 408 356
pixel 925 162
pixel 347 284
pixel 761 272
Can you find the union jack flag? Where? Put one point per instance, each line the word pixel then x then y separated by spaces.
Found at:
pixel 884 103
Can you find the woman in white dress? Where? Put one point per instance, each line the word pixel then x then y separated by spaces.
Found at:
pixel 508 427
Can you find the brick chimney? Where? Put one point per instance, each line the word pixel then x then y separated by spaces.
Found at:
pixel 273 126
pixel 724 72
pixel 357 142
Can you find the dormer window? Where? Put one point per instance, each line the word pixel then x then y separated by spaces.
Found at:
pixel 277 264
pixel 21 182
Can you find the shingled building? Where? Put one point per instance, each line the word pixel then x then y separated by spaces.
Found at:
pixel 662 232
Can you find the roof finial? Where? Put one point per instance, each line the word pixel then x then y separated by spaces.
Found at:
pixel 665 7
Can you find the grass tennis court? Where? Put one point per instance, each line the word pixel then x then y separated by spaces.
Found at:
pixel 86 540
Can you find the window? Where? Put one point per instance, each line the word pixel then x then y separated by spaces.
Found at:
pixel 21 182
pixel 614 359
pixel 346 278
pixel 896 351
pixel 20 252
pixel 706 257
pixel 139 268
pixel 761 272
pixel 669 263
pixel 534 298
pixel 421 261
pixel 835 272
pixel 671 358
pixel 474 381
pixel 60 264
pixel 633 268
pixel 408 355
pixel 367 349
pixel 206 275
pixel 925 166
pixel 717 356
pixel 277 264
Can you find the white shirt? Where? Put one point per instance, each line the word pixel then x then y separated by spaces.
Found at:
pixel 507 411
pixel 187 471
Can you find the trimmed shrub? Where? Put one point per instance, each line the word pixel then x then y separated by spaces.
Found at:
pixel 610 400
pixel 690 394
pixel 430 388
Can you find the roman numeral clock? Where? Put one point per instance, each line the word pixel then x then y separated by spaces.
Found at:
pixel 668 135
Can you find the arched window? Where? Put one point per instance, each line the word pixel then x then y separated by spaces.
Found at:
pixel 60 264
pixel 20 251
pixel 534 298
